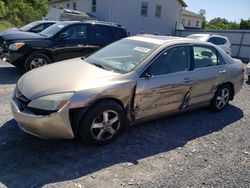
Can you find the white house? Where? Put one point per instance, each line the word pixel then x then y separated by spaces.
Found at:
pixel 191 20
pixel 138 16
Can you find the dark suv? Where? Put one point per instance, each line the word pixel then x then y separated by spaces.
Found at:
pixel 7 35
pixel 61 41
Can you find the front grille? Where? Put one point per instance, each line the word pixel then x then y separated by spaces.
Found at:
pixel 23 101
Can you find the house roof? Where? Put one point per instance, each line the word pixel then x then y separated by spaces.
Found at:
pixel 56 1
pixel 189 13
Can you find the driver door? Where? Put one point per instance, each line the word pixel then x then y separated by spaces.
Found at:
pixel 74 44
pixel 165 85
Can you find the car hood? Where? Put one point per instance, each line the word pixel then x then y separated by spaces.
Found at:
pixel 65 76
pixel 20 35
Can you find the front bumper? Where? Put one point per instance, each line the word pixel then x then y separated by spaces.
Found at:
pixel 56 125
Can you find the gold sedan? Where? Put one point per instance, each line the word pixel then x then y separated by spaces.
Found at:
pixel 135 79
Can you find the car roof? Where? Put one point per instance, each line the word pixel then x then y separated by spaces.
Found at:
pixel 46 21
pixel 94 22
pixel 207 35
pixel 160 40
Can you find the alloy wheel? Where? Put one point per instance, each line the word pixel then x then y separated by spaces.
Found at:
pixel 38 62
pixel 105 126
pixel 222 98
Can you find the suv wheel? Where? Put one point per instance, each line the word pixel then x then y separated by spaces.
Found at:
pixel 221 98
pixel 102 123
pixel 36 60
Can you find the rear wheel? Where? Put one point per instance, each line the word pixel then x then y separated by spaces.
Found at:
pixel 221 98
pixel 36 60
pixel 102 123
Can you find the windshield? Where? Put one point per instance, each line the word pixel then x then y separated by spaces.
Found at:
pixel 53 30
pixel 198 37
pixel 29 26
pixel 122 56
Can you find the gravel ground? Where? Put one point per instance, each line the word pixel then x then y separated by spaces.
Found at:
pixel 196 149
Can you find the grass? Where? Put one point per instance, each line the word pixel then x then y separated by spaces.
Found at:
pixel 5 25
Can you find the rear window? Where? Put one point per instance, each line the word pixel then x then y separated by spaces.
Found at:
pixel 119 33
pixel 217 40
pixel 102 32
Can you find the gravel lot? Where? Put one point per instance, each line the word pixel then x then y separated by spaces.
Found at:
pixel 196 149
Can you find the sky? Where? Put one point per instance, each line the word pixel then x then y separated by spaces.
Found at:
pixel 232 10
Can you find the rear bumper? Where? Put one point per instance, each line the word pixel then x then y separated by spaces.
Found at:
pixel 54 126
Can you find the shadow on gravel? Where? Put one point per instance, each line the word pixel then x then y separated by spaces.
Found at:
pixel 9 75
pixel 26 161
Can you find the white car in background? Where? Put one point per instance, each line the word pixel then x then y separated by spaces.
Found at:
pixel 218 40
pixel 248 71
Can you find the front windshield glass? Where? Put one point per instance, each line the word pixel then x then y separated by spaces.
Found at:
pixel 53 30
pixel 122 56
pixel 29 26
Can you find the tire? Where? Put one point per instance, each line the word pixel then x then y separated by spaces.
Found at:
pixel 221 98
pixel 36 60
pixel 96 127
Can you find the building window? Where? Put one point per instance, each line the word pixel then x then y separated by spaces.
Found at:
pixel 74 5
pixel 189 22
pixel 144 9
pixel 68 6
pixel 197 23
pixel 158 11
pixel 93 5
pixel 183 21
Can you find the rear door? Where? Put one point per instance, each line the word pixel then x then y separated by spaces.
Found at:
pixel 209 72
pixel 165 84
pixel 76 44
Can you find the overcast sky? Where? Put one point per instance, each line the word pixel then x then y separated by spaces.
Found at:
pixel 232 10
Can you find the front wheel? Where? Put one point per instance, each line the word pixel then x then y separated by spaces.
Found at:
pixel 221 98
pixel 36 60
pixel 102 123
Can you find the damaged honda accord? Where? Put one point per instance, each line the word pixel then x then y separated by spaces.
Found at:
pixel 136 79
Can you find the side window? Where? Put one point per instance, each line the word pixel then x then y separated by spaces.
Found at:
pixel 102 32
pixel 76 32
pixel 173 60
pixel 221 61
pixel 213 40
pixel 221 41
pixel 204 57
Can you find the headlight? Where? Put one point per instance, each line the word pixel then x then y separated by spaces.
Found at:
pixel 51 102
pixel 16 46
pixel 248 64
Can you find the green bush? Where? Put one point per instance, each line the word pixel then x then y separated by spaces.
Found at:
pixel 5 25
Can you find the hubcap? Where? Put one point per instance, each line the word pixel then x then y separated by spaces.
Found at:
pixel 223 98
pixel 38 62
pixel 105 126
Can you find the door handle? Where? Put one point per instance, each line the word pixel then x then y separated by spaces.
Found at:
pixel 188 80
pixel 222 71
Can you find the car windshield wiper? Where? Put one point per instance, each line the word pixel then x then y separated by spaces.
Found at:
pixel 98 65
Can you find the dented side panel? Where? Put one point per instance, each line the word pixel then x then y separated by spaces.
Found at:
pixel 162 94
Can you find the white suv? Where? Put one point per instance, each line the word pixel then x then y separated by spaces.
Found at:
pixel 218 40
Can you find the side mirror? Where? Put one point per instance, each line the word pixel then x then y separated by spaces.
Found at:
pixel 63 36
pixel 148 75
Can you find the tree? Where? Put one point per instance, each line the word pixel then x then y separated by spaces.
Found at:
pixel 202 12
pixel 22 11
pixel 2 9
pixel 245 24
